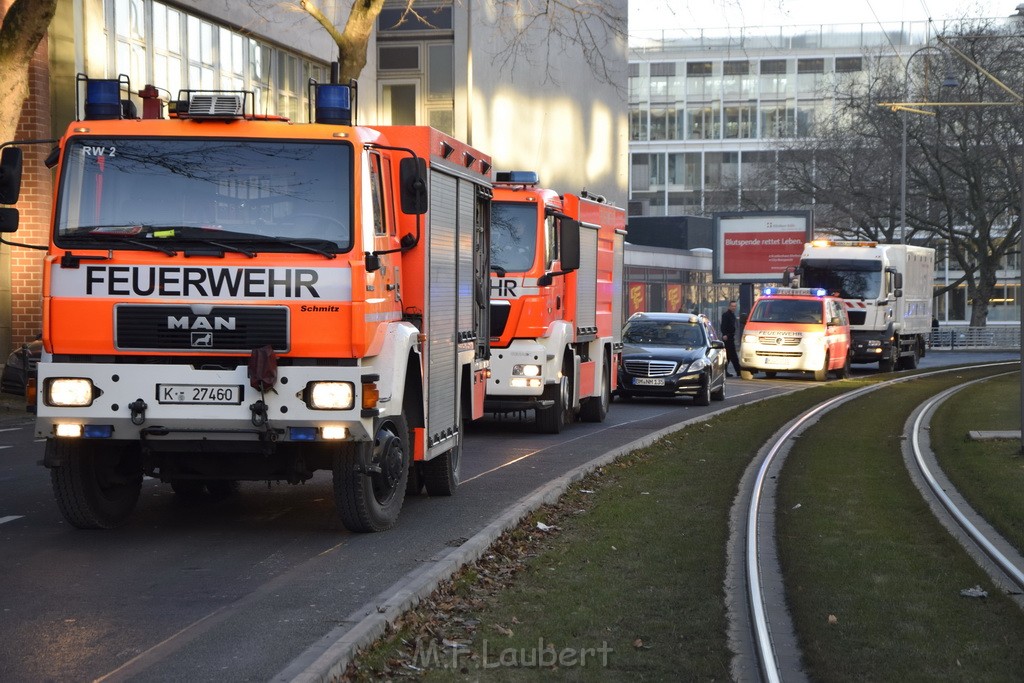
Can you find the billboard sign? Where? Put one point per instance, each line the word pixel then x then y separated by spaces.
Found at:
pixel 758 246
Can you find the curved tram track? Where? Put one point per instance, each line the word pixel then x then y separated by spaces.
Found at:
pixel 761 629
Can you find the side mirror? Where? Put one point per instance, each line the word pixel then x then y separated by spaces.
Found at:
pixel 10 175
pixel 897 293
pixel 372 262
pixel 413 178
pixel 569 252
pixel 718 344
pixel 9 220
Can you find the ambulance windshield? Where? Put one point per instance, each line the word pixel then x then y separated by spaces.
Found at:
pixel 273 195
pixel 513 236
pixel 797 311
pixel 851 278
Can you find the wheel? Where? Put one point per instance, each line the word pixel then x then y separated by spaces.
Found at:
pixel 96 485
pixel 441 475
pixel 889 363
pixel 370 478
pixel 844 372
pixel 552 420
pixel 719 394
pixel 746 374
pixel 821 374
pixel 703 396
pixel 910 362
pixel 595 408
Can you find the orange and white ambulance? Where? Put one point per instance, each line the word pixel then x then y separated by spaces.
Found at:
pixel 796 330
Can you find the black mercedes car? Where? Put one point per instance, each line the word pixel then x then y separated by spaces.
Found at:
pixel 672 354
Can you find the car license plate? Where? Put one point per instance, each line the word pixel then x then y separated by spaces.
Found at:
pixel 199 394
pixel 649 381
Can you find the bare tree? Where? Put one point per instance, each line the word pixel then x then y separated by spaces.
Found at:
pixel 22 27
pixel 964 162
pixel 532 31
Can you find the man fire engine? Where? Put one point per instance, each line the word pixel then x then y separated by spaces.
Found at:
pixel 230 297
pixel 556 302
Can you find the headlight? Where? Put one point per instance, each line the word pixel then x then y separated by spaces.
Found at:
pixel 330 395
pixel 749 338
pixel 698 365
pixel 526 370
pixel 69 392
pixel 874 342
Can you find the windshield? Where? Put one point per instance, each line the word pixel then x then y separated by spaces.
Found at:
pixel 787 311
pixel 852 279
pixel 667 333
pixel 118 192
pixel 513 236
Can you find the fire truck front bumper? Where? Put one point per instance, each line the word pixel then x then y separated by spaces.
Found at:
pixel 179 402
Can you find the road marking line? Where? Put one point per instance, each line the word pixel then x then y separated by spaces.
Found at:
pixel 10 518
pixel 11 429
pixel 3 447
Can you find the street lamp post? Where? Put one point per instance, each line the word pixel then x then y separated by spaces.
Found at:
pixel 948 82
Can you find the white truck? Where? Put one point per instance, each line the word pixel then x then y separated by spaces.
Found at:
pixel 887 290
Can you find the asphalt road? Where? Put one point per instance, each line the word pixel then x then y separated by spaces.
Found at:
pixel 237 589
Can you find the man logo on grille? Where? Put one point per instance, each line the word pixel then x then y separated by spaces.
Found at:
pixel 202 340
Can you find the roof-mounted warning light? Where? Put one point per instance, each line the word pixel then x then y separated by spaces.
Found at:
pixel 334 101
pixel 843 243
pixel 516 178
pixel 103 97
pixel 794 291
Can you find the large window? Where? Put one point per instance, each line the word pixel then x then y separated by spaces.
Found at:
pixel 158 44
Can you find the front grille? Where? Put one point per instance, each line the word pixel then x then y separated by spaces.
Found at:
pixel 785 341
pixel 650 368
pixel 178 328
pixel 857 317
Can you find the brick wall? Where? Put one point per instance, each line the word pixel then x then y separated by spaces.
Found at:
pixel 34 205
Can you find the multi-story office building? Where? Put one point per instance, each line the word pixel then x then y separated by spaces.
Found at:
pixel 709 109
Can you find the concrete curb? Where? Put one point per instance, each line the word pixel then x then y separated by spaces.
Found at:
pixel 328 659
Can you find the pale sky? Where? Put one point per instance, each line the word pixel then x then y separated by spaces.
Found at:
pixel 692 14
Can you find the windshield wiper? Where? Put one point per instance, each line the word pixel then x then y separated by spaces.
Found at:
pixel 87 237
pixel 303 243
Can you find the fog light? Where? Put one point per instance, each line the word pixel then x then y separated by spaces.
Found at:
pixel 68 431
pixel 331 395
pixel 333 432
pixel 69 391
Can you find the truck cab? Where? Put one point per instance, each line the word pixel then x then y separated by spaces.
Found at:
pixel 796 330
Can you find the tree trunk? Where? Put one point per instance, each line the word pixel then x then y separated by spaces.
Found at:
pixel 23 27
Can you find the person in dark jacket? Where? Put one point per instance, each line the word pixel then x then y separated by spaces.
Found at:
pixel 728 330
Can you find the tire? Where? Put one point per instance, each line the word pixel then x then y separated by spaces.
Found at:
pixel 554 419
pixel 97 485
pixel 442 474
pixel 910 362
pixel 844 372
pixel 703 396
pixel 719 394
pixel 889 364
pixel 595 408
pixel 746 374
pixel 370 478
pixel 821 374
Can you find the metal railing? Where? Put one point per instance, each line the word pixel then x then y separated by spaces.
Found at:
pixel 963 337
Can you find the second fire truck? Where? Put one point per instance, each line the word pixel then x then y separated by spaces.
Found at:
pixel 556 302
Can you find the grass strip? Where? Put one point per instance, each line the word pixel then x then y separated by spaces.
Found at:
pixel 628 585
pixel 989 474
pixel 872 579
